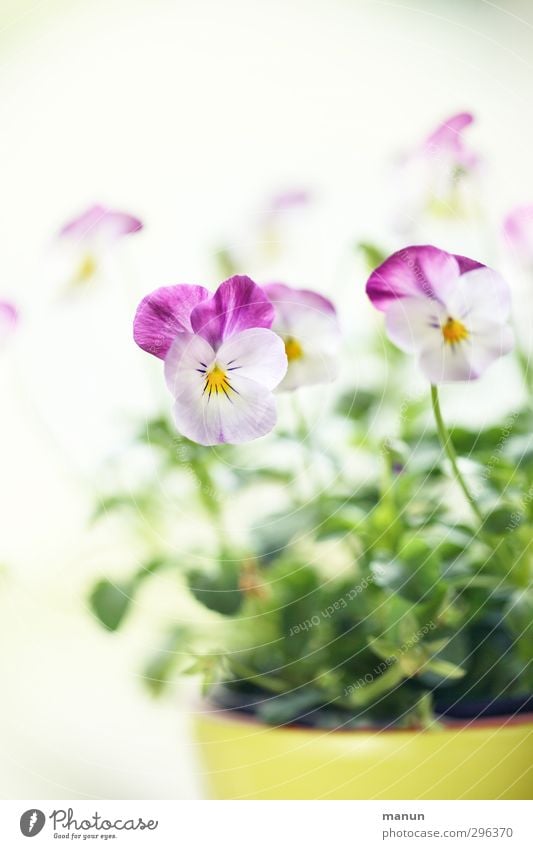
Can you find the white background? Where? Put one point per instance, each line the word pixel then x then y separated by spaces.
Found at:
pixel 189 114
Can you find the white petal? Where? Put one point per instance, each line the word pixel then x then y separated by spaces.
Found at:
pixel 257 354
pixel 442 362
pixel 309 369
pixel 465 360
pixel 248 413
pixel 491 344
pixel 414 323
pixel 480 295
pixel 188 353
pixel 313 329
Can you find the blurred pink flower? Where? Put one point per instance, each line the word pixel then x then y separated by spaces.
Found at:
pixel 9 318
pixel 289 199
pixel 307 323
pixel 434 177
pixel 447 142
pixel 518 230
pixel 92 233
pixel 450 311
pixel 100 224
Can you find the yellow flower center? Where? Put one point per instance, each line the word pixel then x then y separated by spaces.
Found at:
pixel 216 382
pixel 454 331
pixel 293 349
pixel 86 269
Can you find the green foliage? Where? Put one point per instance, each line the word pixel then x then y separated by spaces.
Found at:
pixel 365 602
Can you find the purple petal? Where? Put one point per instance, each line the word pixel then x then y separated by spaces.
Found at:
pixel 449 131
pixel 289 301
pixel 237 305
pixel 518 229
pixel 163 314
pixel 466 264
pixel 9 318
pixel 418 270
pixel 100 223
pixel 448 138
pixel 289 200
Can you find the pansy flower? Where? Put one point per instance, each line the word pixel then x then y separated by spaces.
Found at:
pixel 518 230
pixel 452 312
pixel 307 323
pixel 9 318
pixel 92 233
pixel 222 361
pixel 433 177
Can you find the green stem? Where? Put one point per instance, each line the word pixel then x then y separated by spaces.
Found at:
pixel 525 368
pixel 447 445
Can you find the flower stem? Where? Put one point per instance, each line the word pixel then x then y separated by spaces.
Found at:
pixel 447 445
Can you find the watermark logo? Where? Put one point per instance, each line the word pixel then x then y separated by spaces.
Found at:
pixel 32 822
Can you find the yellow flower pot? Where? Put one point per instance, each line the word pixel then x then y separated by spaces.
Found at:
pixel 485 759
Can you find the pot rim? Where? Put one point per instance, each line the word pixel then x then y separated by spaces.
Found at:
pixel 236 716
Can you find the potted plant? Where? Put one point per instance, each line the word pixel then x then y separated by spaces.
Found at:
pixel 367 637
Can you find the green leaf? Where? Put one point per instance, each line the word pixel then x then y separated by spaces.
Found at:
pixel 362 695
pixel 373 255
pixel 218 590
pixel 110 602
pixel 502 520
pixel 444 669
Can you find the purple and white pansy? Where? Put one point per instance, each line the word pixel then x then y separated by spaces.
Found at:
pixel 92 233
pixel 450 311
pixel 222 360
pixel 307 323
pixel 9 318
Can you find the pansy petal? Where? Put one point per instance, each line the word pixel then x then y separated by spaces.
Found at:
pixel 448 139
pixel 188 353
pixel 257 353
pixel 442 363
pixel 480 295
pixel 449 132
pixel 310 369
pixel 410 272
pixel 9 318
pixel 98 223
pixel 491 344
pixel 237 305
pixel 466 264
pixel 249 412
pixel 518 229
pixel 467 360
pixel 163 314
pixel 412 323
pixel 289 199
pixel 291 304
